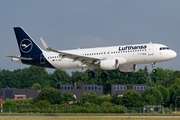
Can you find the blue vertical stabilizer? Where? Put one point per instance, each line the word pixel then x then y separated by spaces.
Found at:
pixel 26 44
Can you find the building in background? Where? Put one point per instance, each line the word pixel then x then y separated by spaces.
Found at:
pixel 78 89
pixel 122 88
pixel 14 93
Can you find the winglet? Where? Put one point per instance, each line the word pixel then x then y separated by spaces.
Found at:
pixel 47 47
pixel 45 44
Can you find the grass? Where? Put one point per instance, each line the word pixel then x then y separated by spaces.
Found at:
pixel 30 116
pixel 119 114
pixel 88 118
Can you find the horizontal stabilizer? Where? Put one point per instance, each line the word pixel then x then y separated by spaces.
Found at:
pixel 22 58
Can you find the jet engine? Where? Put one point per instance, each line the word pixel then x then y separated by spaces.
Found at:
pixel 110 64
pixel 127 68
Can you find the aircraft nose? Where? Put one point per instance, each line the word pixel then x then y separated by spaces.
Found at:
pixel 173 54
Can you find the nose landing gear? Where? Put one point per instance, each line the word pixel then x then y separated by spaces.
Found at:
pixel 153 66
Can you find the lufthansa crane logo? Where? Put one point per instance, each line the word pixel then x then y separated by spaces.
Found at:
pixel 26 45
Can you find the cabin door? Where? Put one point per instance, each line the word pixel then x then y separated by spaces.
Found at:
pixel 42 59
pixel 150 50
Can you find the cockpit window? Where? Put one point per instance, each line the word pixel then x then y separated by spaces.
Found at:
pixel 163 48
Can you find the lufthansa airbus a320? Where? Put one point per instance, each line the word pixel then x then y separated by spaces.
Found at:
pixel 123 58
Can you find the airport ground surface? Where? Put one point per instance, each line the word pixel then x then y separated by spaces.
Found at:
pixel 89 117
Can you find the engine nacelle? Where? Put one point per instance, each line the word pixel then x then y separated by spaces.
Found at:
pixel 127 68
pixel 110 64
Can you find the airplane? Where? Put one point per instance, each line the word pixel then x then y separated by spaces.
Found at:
pixel 123 58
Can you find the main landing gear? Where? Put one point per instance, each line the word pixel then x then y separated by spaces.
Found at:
pixel 103 75
pixel 92 74
pixel 153 66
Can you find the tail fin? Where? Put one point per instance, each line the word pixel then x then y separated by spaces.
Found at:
pixel 26 44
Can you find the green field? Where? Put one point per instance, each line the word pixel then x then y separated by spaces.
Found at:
pixel 88 118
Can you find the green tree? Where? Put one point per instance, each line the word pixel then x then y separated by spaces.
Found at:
pixel 149 100
pixel 33 74
pixel 59 77
pixel 50 94
pixel 106 104
pixel 67 97
pixel 175 86
pixel 116 99
pixel 174 78
pixel 132 98
pixel 39 75
pixel 42 103
pixel 104 98
pixel 175 96
pixel 90 97
pixel 155 92
pixel 172 93
pixel 161 76
pixel 165 93
pixel 10 79
pixel 36 86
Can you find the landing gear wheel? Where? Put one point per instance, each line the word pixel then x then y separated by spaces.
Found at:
pixel 154 70
pixel 91 73
pixel 153 66
pixel 103 75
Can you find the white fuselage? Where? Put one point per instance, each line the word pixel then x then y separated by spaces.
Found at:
pixel 134 54
pixel 123 57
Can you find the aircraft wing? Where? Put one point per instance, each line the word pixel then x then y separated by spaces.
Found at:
pixel 75 57
pixel 22 58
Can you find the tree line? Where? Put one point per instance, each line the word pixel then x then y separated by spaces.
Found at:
pixel 164 83
pixel 51 97
pixel 34 76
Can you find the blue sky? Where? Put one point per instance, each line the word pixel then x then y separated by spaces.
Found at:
pixel 68 24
